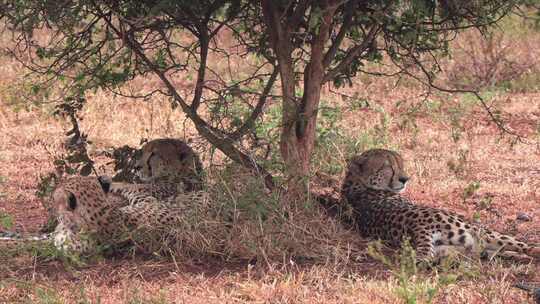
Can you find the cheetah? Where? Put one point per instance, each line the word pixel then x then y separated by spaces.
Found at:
pixel 372 187
pixel 168 168
pixel 171 173
pixel 89 215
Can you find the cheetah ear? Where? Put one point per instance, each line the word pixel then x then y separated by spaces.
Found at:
pixel 72 201
pixel 105 182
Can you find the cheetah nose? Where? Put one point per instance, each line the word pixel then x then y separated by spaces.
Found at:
pixel 403 179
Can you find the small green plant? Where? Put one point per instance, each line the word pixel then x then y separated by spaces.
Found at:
pixel 470 190
pixel 48 296
pixel 460 165
pixel 6 220
pixel 408 121
pixel 3 180
pixel 382 129
pixel 528 82
pixel 46 185
pixel 412 286
pixel 83 297
pixel 327 128
pixel 330 137
pixel 136 298
pixel 456 115
pixel 476 216
pixel 266 132
pixel 432 105
pixel 486 202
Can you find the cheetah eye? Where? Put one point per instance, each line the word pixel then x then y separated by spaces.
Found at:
pixel 72 202
pixel 403 179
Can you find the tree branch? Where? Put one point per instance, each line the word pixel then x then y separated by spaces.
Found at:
pixel 204 41
pixel 226 145
pixel 314 72
pixel 353 53
pixel 347 21
pixel 248 124
pixel 500 124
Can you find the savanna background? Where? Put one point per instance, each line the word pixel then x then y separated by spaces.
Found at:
pixel 458 158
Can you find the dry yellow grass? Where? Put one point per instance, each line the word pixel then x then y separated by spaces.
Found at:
pixel 441 169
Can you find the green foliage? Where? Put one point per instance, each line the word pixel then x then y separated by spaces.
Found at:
pixel 328 123
pixel 83 297
pixel 47 295
pixel 267 130
pixel 137 298
pixel 412 287
pixel 414 284
pixel 104 45
pixel 2 181
pixel 528 82
pixel 329 137
pixel 17 96
pixel 460 165
pixel 42 294
pixel 334 145
pixel 6 220
pixel 470 190
pixel 247 201
pixel 46 185
pixel 42 250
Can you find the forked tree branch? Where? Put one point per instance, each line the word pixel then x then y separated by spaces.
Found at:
pixel 314 72
pixel 248 124
pixel 353 53
pixel 345 27
pixel 225 144
pixel 430 83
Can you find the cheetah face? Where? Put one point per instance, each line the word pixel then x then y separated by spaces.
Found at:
pixel 376 169
pixel 81 205
pixel 165 160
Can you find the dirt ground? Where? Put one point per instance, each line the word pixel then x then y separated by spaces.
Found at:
pixel 508 176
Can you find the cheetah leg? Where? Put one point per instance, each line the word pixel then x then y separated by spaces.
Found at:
pixel 443 251
pixel 435 248
pixel 508 254
pixel 425 250
pixel 500 244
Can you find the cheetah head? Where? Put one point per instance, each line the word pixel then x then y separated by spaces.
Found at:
pixel 82 207
pixel 376 169
pixel 169 159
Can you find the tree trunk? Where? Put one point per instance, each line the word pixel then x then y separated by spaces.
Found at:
pixel 299 116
